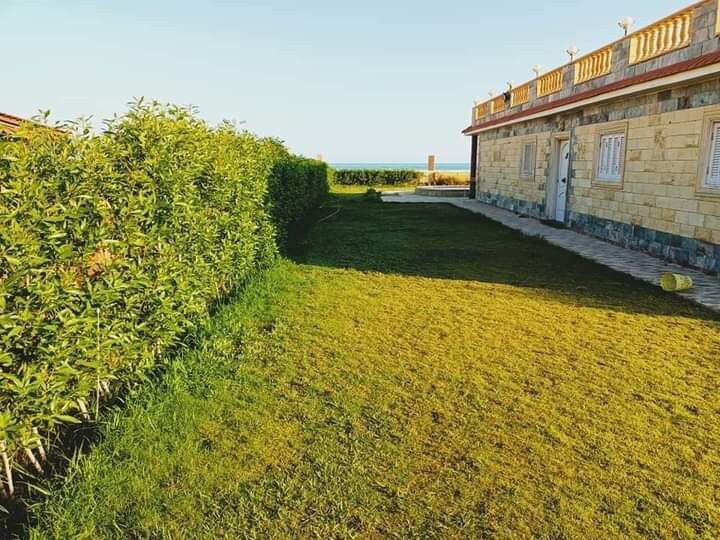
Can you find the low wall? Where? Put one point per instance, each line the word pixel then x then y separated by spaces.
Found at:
pixel 443 191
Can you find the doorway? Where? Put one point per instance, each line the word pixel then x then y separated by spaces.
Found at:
pixel 561 180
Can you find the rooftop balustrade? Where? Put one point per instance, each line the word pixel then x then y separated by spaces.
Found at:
pixel 684 35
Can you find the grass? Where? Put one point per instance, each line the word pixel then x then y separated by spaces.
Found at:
pixel 446 178
pixel 339 189
pixel 418 371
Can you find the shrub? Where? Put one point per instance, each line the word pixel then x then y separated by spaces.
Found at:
pixel 448 178
pixel 376 177
pixel 114 246
pixel 297 186
pixel 372 195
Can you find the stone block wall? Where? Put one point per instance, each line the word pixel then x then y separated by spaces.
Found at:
pixel 660 186
pixel 499 176
pixel 658 207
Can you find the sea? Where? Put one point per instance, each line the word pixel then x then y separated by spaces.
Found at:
pixel 459 167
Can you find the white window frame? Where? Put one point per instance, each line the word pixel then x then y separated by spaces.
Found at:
pixel 611 133
pixel 712 154
pixel 703 188
pixel 527 170
pixel 611 157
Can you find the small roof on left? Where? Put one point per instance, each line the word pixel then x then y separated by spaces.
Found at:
pixel 9 122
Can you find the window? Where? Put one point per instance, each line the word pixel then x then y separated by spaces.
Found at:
pixel 712 169
pixel 611 157
pixel 708 166
pixel 527 160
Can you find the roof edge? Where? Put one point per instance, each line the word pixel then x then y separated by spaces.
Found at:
pixel 673 69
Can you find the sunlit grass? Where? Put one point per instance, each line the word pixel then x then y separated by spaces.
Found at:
pixel 418 371
pixel 349 190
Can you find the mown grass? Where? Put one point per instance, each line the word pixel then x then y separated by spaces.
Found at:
pixel 418 371
pixel 352 189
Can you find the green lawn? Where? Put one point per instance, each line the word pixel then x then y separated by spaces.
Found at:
pixel 354 189
pixel 418 371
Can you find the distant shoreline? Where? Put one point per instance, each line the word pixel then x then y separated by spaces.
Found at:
pixel 421 167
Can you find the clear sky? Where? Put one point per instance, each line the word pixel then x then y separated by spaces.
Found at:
pixel 367 80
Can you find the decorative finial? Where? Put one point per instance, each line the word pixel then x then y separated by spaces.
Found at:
pixel 537 68
pixel 572 51
pixel 510 86
pixel 626 24
pixel 491 93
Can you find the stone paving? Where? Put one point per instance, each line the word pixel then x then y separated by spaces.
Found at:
pixel 706 290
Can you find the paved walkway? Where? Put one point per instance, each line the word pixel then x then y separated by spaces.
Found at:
pixel 639 265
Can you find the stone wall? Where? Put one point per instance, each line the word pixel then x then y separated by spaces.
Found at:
pixel 499 175
pixel 519 206
pixel 660 186
pixel 657 207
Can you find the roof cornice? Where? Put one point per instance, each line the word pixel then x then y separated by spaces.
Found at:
pixel 696 68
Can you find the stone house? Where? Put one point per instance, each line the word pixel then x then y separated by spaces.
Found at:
pixel 622 143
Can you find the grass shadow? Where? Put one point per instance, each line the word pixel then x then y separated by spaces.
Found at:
pixel 71 441
pixel 444 242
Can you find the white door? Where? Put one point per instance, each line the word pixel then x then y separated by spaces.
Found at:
pixel 562 181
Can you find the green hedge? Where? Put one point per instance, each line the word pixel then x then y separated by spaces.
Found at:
pixel 376 177
pixel 297 186
pixel 113 247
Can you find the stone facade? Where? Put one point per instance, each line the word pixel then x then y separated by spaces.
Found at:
pixel 501 177
pixel 664 108
pixel 658 207
pixel 520 206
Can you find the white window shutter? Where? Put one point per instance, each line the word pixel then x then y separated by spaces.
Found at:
pixel 604 158
pixel 528 157
pixel 528 163
pixel 712 176
pixel 618 153
pixel 611 160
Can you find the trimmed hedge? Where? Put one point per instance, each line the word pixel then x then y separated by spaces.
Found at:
pixel 376 177
pixel 297 186
pixel 113 247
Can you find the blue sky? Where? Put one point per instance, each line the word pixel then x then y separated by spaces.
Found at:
pixel 371 80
